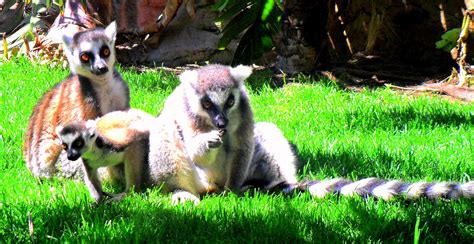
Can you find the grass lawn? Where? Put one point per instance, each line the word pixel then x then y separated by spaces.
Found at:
pixel 337 132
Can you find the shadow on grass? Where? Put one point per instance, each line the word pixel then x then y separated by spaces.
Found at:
pixel 359 165
pixel 131 221
pixel 125 222
pixel 400 119
pixel 268 78
pixel 439 222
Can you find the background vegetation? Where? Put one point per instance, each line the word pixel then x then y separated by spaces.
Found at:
pixel 337 132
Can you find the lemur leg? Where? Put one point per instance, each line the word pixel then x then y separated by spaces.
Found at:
pixel 239 168
pixel 134 158
pixel 91 179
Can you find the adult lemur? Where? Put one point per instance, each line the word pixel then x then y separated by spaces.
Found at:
pixel 93 89
pixel 205 140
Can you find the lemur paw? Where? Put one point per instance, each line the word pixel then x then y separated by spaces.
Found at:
pixel 180 197
pixel 214 138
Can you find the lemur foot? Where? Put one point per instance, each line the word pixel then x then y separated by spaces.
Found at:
pixel 180 197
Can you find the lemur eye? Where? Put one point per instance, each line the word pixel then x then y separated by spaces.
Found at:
pixel 64 145
pixel 105 52
pixel 85 58
pixel 206 103
pixel 230 101
pixel 78 144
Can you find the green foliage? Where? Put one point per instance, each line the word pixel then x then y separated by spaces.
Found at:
pixel 337 133
pixel 31 14
pixel 448 40
pixel 256 21
pixel 416 239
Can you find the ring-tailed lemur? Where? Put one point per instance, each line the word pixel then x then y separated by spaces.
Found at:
pixel 119 137
pixel 93 89
pixel 205 140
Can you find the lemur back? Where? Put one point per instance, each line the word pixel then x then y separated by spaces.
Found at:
pixel 94 88
pixel 274 163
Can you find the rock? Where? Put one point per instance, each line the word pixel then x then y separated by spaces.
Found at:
pixel 185 40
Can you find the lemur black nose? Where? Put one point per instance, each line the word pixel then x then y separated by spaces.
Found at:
pixel 103 70
pixel 221 121
pixel 221 125
pixel 73 156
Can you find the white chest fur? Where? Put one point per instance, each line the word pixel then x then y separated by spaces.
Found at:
pixel 112 96
pixel 208 159
pixel 211 168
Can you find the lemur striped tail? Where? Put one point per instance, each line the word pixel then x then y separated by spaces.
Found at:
pixel 386 189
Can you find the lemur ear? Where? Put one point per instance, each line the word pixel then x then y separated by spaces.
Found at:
pixel 58 130
pixel 241 72
pixel 111 31
pixel 190 76
pixel 90 126
pixel 67 41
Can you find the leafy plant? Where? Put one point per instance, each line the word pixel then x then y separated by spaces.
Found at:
pixel 448 40
pixel 32 12
pixel 258 20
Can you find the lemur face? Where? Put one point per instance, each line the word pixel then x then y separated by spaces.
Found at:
pixel 217 106
pixel 91 53
pixel 214 93
pixel 76 139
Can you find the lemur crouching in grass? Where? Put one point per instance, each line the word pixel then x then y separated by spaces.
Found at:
pixel 203 139
pixel 118 138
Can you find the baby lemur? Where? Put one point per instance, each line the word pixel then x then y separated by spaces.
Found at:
pixel 119 137
pixel 93 89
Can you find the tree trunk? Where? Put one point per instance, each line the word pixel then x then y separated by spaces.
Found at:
pixel 301 43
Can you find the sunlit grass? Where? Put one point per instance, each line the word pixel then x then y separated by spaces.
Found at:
pixel 337 133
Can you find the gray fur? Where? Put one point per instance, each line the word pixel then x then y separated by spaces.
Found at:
pixel 189 155
pixel 387 190
pixel 188 152
pixel 274 163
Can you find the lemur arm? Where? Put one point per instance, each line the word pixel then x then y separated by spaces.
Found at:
pixel 201 143
pixel 91 179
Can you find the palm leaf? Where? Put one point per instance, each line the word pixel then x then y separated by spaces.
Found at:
pixel 237 7
pixel 250 48
pixel 255 20
pixel 237 25
pixel 23 31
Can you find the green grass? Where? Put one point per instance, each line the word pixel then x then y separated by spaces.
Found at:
pixel 337 133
